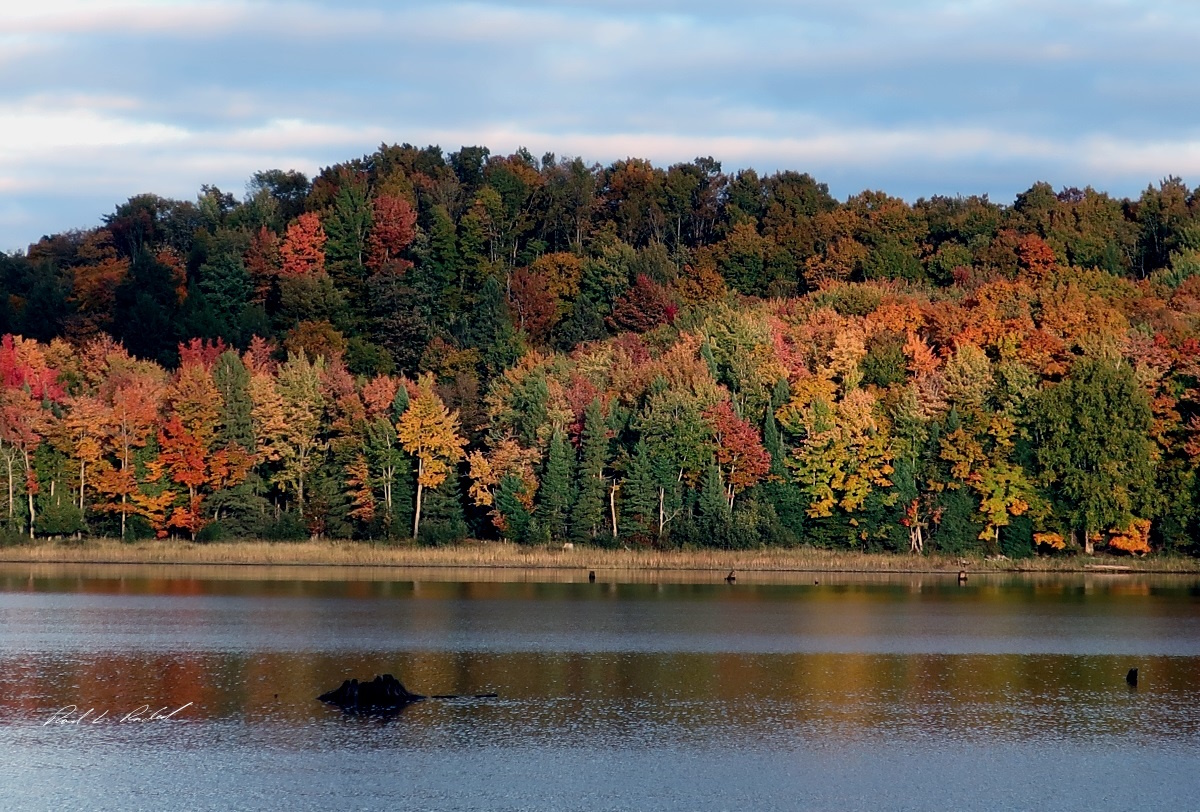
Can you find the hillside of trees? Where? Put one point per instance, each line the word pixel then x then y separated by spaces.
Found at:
pixel 415 344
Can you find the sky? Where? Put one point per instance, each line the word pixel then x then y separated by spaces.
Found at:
pixel 100 101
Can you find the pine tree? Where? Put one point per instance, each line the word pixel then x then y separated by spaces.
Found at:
pixel 443 519
pixel 491 330
pixel 233 382
pixel 587 518
pixel 402 479
pixel 346 228
pixel 554 496
pixel 517 518
pixel 780 490
pixel 639 494
pixel 716 519
pixel 440 275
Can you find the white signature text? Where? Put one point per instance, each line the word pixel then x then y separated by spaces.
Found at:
pixel 73 715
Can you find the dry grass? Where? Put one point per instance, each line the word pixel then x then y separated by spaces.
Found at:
pixel 483 555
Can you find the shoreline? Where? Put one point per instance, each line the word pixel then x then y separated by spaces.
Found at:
pixel 505 556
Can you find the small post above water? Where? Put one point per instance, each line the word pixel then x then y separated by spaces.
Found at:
pixel 1132 678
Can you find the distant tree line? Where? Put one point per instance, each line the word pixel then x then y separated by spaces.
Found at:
pixel 416 344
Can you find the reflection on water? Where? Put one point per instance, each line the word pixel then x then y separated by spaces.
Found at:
pixel 692 697
pixel 899 692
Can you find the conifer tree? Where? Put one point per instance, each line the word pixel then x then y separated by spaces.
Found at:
pixel 442 515
pixel 639 493
pixel 713 506
pixel 587 517
pixel 517 518
pixel 780 489
pixel 233 382
pixel 346 228
pixel 554 496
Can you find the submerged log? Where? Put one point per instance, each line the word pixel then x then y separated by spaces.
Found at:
pixel 382 695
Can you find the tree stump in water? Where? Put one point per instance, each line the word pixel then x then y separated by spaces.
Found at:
pixel 385 693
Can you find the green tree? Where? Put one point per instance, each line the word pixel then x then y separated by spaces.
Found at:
pixel 780 490
pixel 518 520
pixel 713 506
pixel 1093 447
pixel 227 287
pixel 639 495
pixel 587 515
pixel 554 496
pixel 346 228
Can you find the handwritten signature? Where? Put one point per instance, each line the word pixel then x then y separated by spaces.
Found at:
pixel 72 715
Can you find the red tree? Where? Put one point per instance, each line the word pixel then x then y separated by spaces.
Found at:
pixel 740 453
pixel 394 230
pixel 303 249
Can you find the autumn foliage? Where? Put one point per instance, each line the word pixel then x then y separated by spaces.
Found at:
pixel 416 344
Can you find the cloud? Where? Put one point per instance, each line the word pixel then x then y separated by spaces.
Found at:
pixel 33 130
pixel 56 18
pixel 915 98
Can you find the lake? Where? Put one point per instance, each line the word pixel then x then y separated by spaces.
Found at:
pixel 900 692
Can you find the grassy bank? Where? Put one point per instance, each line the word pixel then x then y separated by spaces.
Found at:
pixel 509 556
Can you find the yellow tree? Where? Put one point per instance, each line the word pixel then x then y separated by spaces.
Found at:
pixel 286 412
pixel 82 433
pixel 430 432
pixel 843 449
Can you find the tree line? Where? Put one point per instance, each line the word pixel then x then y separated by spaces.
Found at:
pixel 430 346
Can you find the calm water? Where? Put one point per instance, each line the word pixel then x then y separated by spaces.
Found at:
pixel 883 694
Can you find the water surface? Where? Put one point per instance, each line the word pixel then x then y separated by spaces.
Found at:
pixel 899 692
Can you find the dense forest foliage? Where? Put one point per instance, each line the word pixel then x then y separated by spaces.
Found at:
pixel 416 344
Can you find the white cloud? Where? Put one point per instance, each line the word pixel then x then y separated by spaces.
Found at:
pixel 142 95
pixel 75 17
pixel 33 130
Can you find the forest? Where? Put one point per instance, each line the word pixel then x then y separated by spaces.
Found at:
pixel 420 346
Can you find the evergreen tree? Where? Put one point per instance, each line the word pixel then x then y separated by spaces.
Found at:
pixel 227 287
pixel 441 272
pixel 146 312
pixel 403 484
pixel 583 323
pixel 443 520
pixel 639 495
pixel 780 490
pixel 529 403
pixel 587 517
pixel 491 331
pixel 346 228
pixel 554 495
pixel 238 511
pixel 716 519
pixel 233 382
pixel 517 518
